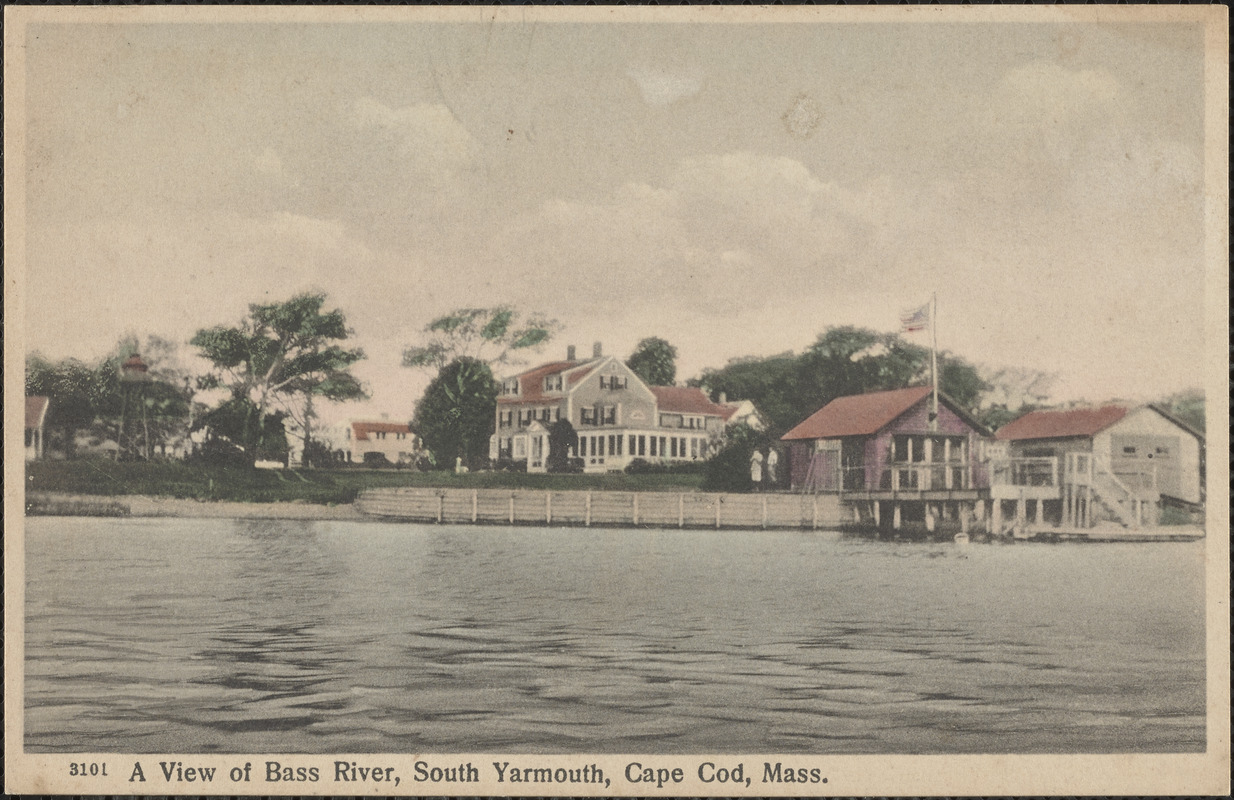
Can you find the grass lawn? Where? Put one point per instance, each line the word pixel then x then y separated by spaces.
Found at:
pixel 178 479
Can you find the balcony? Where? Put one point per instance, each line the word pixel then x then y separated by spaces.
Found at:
pixel 944 480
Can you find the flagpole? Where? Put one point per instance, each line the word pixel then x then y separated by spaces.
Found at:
pixel 934 358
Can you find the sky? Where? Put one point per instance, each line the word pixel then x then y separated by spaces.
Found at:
pixel 732 188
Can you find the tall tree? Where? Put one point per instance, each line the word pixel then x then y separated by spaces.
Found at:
pixel 844 360
pixel 279 349
pixel 454 419
pixel 73 390
pixel 654 360
pixel 493 336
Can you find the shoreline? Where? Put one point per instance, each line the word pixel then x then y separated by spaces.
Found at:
pixel 42 504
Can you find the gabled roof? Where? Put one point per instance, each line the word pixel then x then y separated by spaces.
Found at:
pixel 1163 412
pixel 731 407
pixel 363 429
pixel 685 400
pixel 531 382
pixel 857 414
pixel 36 410
pixel 1061 424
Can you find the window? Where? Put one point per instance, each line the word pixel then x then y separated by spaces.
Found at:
pixel 653 444
pixel 1128 451
pixel 642 445
pixel 556 413
pixel 674 447
pixel 610 415
pixel 582 447
pixel 694 448
pixel 588 416
pixel 509 386
pixel 400 436
pixel 619 440
pixel 520 447
pixel 381 434
pixel 506 418
pixel 552 383
pixel 1163 451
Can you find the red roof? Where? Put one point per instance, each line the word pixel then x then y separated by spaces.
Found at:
pixel 685 400
pixel 36 408
pixel 858 414
pixel 1061 424
pixel 531 382
pixel 363 429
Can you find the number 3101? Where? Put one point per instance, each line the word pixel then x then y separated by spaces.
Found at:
pixel 84 769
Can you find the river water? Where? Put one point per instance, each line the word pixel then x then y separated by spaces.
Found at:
pixel 187 635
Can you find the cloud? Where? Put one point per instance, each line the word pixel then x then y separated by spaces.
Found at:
pixel 661 88
pixel 428 137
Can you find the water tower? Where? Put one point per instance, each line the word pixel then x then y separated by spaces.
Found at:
pixel 134 425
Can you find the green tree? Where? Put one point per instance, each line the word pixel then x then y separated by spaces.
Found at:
pixel 843 360
pixel 73 392
pixel 231 421
pixel 654 360
pixel 490 335
pixel 1188 405
pixel 454 418
pixel 562 440
pixel 278 351
pixel 770 383
pixel 729 469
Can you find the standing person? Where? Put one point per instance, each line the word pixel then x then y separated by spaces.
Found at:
pixel 756 469
pixel 772 460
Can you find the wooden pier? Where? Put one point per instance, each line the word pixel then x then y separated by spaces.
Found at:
pixel 605 509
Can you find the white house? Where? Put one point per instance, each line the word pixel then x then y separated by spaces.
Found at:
pixel 392 441
pixel 616 417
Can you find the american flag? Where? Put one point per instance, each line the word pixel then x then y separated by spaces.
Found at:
pixel 915 319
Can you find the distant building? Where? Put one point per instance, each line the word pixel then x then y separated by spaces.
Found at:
pixel 616 416
pixel 36 420
pixel 369 441
pixel 741 412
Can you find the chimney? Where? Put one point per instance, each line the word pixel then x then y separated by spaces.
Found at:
pixel 570 353
pixel 596 350
pixel 723 398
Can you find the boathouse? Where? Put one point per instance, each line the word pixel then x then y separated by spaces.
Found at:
pixel 882 453
pixel 1078 465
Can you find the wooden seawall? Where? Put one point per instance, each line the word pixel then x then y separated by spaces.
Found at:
pixel 587 508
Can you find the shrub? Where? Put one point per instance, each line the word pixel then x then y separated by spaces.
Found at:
pixel 641 466
pixel 216 452
pixel 376 460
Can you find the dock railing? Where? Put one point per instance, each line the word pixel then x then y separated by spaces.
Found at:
pixel 926 476
pixel 1028 471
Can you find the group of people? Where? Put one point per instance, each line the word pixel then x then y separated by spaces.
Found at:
pixel 760 477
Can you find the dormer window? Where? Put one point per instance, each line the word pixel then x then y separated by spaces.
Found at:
pixel 552 383
pixel 509 386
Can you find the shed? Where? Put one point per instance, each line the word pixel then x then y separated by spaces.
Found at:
pixel 1145 447
pixel 883 441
